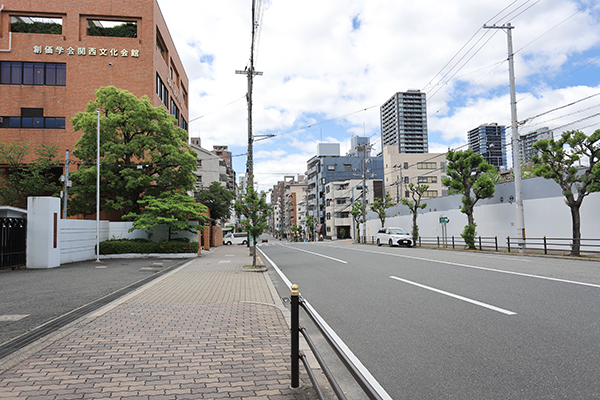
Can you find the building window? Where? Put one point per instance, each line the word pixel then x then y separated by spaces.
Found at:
pixel 328 216
pixel 347 167
pixel 183 124
pixel 174 109
pixel 331 167
pixel 29 24
pixel 405 165
pixel 427 179
pixel 430 193
pixel 161 90
pixel 426 165
pixel 406 179
pixel 124 29
pixel 160 45
pixel 28 73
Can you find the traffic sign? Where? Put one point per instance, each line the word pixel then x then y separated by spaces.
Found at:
pixel 444 220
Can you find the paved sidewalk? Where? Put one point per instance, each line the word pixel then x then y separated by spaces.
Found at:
pixel 207 330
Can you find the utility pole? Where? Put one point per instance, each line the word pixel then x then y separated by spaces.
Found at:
pixel 67 185
pixel 515 139
pixel 250 73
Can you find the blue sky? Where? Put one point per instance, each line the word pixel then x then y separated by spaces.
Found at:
pixel 328 66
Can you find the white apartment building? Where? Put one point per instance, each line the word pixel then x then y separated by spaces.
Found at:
pixel 339 197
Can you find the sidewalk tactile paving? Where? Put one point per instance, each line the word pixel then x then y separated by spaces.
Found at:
pixel 207 331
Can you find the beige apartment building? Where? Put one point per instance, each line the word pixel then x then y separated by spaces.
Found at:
pixel 400 169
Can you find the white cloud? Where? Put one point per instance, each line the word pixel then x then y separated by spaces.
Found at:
pixel 317 66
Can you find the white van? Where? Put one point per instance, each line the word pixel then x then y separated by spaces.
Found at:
pixel 235 238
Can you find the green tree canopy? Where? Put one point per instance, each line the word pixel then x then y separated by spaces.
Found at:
pixel 20 179
pixel 468 173
pixel 380 206
pixel 562 165
pixel 141 153
pixel 173 209
pixel 415 192
pixel 218 200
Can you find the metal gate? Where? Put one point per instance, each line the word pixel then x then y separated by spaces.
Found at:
pixel 13 242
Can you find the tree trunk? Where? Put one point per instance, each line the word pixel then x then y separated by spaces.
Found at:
pixel 414 228
pixel 576 218
pixel 254 254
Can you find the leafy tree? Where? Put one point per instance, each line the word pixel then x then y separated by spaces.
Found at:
pixel 173 209
pixel 218 200
pixel 380 206
pixel 20 178
pixel 310 226
pixel 141 153
pixel 358 216
pixel 295 232
pixel 559 164
pixel 36 27
pixel 415 192
pixel 469 174
pixel 342 233
pixel 255 208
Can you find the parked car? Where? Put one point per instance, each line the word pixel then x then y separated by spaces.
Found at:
pixel 265 240
pixel 235 238
pixel 394 237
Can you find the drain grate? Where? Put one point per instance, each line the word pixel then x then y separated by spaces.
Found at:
pixel 27 338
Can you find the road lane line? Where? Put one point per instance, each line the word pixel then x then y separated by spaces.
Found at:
pixel 353 358
pixel 316 254
pixel 476 267
pixel 468 300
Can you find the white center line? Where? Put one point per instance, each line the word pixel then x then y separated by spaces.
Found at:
pixel 503 311
pixel 316 254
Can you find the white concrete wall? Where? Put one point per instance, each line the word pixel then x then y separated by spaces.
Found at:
pixel 549 217
pixel 43 224
pixel 78 239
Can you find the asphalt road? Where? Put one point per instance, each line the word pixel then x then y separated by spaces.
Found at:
pixel 45 294
pixel 433 324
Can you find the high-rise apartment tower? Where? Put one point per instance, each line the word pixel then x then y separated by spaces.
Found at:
pixel 404 122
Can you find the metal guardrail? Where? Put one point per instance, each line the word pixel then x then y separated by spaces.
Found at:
pixel 544 244
pixel 297 355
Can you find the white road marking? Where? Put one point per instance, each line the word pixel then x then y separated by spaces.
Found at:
pixel 468 300
pixel 477 267
pixel 316 254
pixel 357 363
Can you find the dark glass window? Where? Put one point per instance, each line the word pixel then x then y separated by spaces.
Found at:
pixel 27 73
pixel 50 122
pixel 61 74
pixel 51 74
pixel 5 72
pixel 15 122
pixel 27 122
pixel 38 74
pixel 60 123
pixel 15 73
pixel 38 122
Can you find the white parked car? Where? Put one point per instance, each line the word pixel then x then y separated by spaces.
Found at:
pixel 394 237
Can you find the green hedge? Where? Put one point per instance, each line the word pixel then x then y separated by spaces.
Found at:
pixel 143 246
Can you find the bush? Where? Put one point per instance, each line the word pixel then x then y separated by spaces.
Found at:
pixel 143 246
pixel 469 235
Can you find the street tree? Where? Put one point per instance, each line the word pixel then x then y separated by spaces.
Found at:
pixel 359 217
pixel 562 165
pixel 218 199
pixel 142 152
pixel 255 208
pixel 310 226
pixel 22 177
pixel 468 173
pixel 380 206
pixel 175 210
pixel 415 193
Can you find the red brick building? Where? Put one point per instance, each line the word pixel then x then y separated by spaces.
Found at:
pixel 55 53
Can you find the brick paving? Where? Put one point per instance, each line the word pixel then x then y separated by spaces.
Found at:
pixel 208 330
